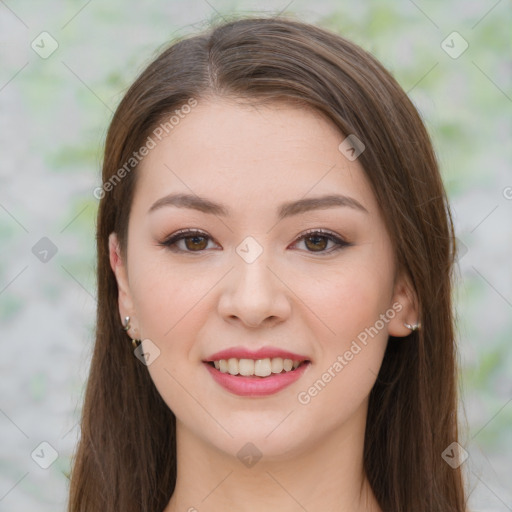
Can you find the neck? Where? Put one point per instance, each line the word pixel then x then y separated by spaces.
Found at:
pixel 326 476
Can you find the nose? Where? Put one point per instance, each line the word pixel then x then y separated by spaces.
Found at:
pixel 254 295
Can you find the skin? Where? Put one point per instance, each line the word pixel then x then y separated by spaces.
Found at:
pixel 193 304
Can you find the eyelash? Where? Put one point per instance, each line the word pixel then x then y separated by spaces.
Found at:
pixel 190 233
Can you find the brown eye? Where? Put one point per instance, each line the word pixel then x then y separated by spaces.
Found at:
pixel 194 243
pixel 187 241
pixel 316 243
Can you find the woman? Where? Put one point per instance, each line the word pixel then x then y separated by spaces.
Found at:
pixel 274 241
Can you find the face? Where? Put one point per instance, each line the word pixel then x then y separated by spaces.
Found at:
pixel 269 270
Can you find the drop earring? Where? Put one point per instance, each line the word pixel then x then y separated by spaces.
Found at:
pixel 126 327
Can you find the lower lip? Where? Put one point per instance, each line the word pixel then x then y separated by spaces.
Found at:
pixel 256 386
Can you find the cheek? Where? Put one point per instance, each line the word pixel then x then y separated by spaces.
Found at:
pixel 171 307
pixel 354 304
pixel 167 297
pixel 346 300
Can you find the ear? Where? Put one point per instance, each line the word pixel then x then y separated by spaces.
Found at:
pixel 125 302
pixel 405 304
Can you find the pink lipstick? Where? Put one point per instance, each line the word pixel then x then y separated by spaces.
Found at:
pixel 241 379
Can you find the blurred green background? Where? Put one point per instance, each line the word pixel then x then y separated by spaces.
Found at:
pixel 54 113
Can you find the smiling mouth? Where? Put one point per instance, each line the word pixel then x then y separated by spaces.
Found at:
pixel 258 368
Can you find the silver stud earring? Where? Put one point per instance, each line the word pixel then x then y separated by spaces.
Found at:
pixel 413 327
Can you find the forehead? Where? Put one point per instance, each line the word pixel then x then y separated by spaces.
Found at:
pixel 251 154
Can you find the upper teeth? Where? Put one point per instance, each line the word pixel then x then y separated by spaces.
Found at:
pixel 258 367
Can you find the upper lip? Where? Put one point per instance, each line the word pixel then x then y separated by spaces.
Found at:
pixel 262 353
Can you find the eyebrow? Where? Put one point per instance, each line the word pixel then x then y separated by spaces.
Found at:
pixel 285 210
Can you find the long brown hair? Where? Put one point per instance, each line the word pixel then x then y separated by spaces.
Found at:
pixel 126 457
